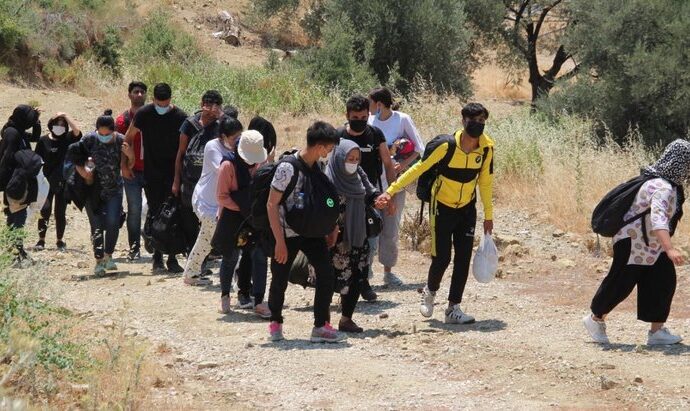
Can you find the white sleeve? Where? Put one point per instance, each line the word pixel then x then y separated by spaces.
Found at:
pixel 282 176
pixel 411 132
pixel 214 155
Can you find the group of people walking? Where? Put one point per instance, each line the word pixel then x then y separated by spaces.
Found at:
pixel 337 201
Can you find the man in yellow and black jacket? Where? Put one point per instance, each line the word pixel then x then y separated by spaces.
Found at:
pixel 453 214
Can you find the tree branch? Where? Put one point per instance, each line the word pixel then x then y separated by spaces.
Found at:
pixel 543 15
pixel 570 74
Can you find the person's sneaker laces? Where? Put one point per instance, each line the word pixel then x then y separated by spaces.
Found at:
pixel 663 337
pixel 225 304
pixel 109 264
pixel 198 281
pixel 61 246
pixel 40 245
pixel 244 301
pixel 275 331
pixel 326 334
pixel 173 266
pixel 454 315
pixel 99 270
pixel 596 329
pixel 427 306
pixel 263 311
pixel 390 279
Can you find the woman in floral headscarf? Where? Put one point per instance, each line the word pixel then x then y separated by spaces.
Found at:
pixel 643 254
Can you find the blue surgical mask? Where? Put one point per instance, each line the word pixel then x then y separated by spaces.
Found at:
pixel 161 110
pixel 377 115
pixel 104 139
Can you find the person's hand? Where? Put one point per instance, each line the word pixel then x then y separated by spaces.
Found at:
pixel 127 174
pixel 88 177
pixel 675 256
pixel 382 201
pixel 61 114
pixel 127 150
pixel 176 188
pixel 332 238
pixel 391 208
pixel 280 253
pixel 488 226
pixel 397 166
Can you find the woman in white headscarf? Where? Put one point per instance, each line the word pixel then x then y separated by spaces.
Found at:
pixel 350 254
pixel 643 254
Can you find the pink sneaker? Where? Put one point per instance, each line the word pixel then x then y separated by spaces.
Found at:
pixel 276 331
pixel 326 334
pixel 225 304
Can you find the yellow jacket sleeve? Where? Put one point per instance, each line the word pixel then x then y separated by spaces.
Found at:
pixel 417 170
pixel 486 183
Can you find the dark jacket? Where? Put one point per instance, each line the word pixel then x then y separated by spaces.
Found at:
pixel 23 180
pixel 14 137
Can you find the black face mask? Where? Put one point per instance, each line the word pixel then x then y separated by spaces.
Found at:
pixel 474 129
pixel 358 126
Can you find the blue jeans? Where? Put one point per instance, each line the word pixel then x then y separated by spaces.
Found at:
pixel 259 274
pixel 105 225
pixel 133 190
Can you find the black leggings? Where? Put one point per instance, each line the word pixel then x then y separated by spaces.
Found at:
pixel 656 285
pixel 56 197
pixel 452 227
pixel 317 253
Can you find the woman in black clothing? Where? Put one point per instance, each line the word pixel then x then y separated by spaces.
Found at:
pixel 52 148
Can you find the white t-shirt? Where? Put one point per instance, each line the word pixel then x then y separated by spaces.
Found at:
pixel 281 179
pixel 204 201
pixel 397 126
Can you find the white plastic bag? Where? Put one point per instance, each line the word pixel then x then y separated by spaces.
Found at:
pixel 144 209
pixel 485 260
pixel 34 208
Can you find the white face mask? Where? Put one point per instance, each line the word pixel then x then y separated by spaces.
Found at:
pixel 58 130
pixel 351 168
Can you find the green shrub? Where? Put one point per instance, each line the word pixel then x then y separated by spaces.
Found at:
pixel 158 41
pixel 108 50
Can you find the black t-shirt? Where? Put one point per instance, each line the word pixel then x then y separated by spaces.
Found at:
pixel 53 154
pixel 369 143
pixel 160 139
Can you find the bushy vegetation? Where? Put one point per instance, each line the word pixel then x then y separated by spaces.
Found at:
pixel 634 67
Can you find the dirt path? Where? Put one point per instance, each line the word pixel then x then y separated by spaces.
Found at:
pixel 527 349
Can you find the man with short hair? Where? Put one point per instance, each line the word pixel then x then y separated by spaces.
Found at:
pixel 159 124
pixel 321 138
pixel 375 158
pixel 134 178
pixel 452 210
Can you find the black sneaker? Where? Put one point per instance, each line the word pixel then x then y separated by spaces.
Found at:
pixel 61 246
pixel 367 293
pixel 173 266
pixel 244 301
pixel 133 254
pixel 158 263
pixel 40 245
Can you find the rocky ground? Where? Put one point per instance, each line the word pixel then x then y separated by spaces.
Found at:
pixel 528 348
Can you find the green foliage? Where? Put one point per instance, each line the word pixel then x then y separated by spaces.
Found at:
pixel 108 49
pixel 158 40
pixel 334 65
pixel 635 56
pixel 424 39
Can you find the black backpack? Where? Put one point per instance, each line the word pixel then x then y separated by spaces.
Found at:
pixel 608 216
pixel 193 160
pixel 242 196
pixel 163 231
pixel 320 210
pixel 426 180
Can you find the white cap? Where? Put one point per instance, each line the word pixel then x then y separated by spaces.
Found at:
pixel 251 147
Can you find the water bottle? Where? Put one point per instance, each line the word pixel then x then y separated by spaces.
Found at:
pixel 90 165
pixel 299 201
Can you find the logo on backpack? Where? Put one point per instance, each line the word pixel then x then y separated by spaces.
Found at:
pixel 330 203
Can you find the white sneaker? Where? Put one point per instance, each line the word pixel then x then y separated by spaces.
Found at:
pixel 390 279
pixel 663 337
pixel 427 306
pixel 455 315
pixel 596 329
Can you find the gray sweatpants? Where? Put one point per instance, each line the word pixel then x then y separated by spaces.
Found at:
pixel 390 235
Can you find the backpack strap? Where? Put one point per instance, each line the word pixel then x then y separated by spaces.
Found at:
pixel 299 166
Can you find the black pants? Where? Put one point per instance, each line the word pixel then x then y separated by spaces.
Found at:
pixel 56 198
pixel 452 228
pixel 316 251
pixel 157 192
pixel 656 285
pixel 16 221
